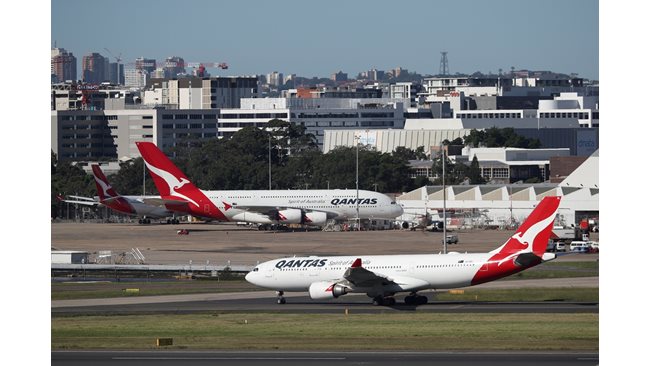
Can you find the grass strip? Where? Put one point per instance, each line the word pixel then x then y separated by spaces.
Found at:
pixel 522 294
pixel 412 331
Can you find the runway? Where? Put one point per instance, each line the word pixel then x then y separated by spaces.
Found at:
pixel 101 358
pixel 264 301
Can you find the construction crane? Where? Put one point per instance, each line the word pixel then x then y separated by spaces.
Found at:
pixel 117 58
pixel 219 65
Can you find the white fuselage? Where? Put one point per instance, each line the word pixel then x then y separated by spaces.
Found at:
pixel 146 210
pixel 341 204
pixel 414 272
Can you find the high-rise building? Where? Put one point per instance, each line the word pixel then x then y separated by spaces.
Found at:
pixel 135 78
pixel 275 78
pixel 94 68
pixel 147 64
pixel 173 66
pixel 339 76
pixel 64 65
pixel 116 73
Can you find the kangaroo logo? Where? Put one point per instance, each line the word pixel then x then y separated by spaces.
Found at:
pixel 105 186
pixel 527 238
pixel 172 182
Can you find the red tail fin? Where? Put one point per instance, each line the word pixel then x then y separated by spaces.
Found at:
pixel 172 184
pixel 170 181
pixel 533 234
pixel 104 188
pixel 525 248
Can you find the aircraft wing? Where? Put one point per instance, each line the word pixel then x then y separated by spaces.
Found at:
pixel 361 277
pixel 357 276
pixel 80 200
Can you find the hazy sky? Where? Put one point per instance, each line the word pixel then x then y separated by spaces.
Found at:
pixel 312 38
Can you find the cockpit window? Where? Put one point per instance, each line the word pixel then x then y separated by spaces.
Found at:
pixel 255 269
pixel 393 202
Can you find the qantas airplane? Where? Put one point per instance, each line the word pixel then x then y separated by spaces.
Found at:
pixel 130 205
pixel 269 207
pixel 382 276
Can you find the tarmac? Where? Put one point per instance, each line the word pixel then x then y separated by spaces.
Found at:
pixel 229 244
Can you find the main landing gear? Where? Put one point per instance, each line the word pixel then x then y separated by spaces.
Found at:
pixel 144 221
pixel 381 300
pixel 280 300
pixel 415 299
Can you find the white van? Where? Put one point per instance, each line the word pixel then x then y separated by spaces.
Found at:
pixel 579 246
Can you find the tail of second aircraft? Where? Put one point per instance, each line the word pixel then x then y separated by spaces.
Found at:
pixel 107 195
pixel 104 188
pixel 526 247
pixel 173 185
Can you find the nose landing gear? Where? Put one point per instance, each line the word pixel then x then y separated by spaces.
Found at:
pixel 280 300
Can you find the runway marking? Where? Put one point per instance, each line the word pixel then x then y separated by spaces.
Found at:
pixel 230 358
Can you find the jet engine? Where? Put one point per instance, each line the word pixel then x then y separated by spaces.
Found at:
pixel 289 216
pixel 326 290
pixel 315 218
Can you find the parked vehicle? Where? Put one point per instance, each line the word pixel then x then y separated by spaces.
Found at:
pixel 560 246
pixel 593 247
pixel 452 239
pixel 579 246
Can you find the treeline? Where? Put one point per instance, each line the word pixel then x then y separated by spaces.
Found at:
pixel 242 162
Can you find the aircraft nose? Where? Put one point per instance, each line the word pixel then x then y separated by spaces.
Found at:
pixel 249 277
pixel 398 210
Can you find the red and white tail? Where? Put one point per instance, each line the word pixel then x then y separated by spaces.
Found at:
pixel 104 188
pixel 534 233
pixel 525 248
pixel 170 181
pixel 172 184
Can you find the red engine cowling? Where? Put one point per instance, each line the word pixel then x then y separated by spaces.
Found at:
pixel 289 216
pixel 315 218
pixel 326 290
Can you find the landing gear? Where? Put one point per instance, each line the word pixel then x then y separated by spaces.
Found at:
pixel 144 221
pixel 415 299
pixel 172 221
pixel 381 300
pixel 281 300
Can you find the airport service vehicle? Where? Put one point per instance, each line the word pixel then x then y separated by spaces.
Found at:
pixel 579 246
pixel 308 207
pixel 452 239
pixel 382 276
pixel 130 205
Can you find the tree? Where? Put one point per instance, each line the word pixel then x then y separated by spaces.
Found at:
pixel 500 137
pixel 128 180
pixel 474 172
pixel 68 179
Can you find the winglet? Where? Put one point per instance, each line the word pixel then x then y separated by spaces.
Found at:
pixel 356 264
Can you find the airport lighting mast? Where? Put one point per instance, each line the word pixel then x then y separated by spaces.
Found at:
pixel 356 139
pixel 444 202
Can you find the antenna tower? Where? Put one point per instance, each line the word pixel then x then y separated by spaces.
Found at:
pixel 444 64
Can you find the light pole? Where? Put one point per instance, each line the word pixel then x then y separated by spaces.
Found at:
pixel 444 203
pixel 269 161
pixel 356 139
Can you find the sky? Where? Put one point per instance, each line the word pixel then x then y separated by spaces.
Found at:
pixel 310 38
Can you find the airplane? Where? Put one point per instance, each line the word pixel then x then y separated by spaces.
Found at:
pixel 130 205
pixel 380 277
pixel 267 207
